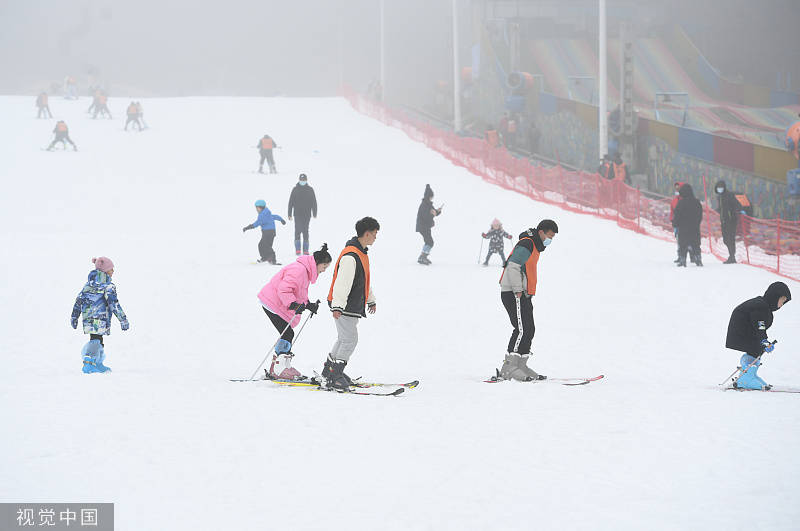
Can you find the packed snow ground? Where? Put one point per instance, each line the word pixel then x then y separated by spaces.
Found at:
pixel 175 445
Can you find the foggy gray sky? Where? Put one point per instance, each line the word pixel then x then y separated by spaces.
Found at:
pixel 267 47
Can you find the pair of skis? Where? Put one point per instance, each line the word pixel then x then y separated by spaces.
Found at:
pixel 563 381
pixel 358 388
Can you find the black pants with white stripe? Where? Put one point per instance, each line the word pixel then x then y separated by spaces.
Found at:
pixel 520 312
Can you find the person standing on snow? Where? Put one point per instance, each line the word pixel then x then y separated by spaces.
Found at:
pixel 265 147
pixel 495 237
pixel 425 214
pixel 729 209
pixel 517 288
pixel 43 106
pixel 101 106
pixel 283 299
pixel 303 204
pixel 62 135
pixel 747 332
pixel 265 220
pixel 687 218
pixel 350 294
pixel 133 116
pixel 672 204
pixel 96 302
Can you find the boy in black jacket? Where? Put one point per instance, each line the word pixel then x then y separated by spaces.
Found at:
pixel 302 205
pixel 687 217
pixel 747 332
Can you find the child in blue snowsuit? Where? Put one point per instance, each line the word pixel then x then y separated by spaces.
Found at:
pixel 747 332
pixel 265 220
pixel 96 301
pixel 495 237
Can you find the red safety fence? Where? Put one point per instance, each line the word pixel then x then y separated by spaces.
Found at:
pixel 773 245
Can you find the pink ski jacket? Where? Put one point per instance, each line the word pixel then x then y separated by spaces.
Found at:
pixel 289 285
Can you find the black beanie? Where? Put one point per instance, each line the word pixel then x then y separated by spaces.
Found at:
pixel 322 256
pixel 428 192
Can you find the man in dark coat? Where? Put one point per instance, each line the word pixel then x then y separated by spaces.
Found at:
pixel 728 208
pixel 303 205
pixel 747 332
pixel 687 217
pixel 425 223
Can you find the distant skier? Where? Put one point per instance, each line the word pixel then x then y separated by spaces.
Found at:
pixel 284 298
pixel 133 116
pixel 686 219
pixel 140 113
pixel 747 332
pixel 672 204
pixel 425 214
pixel 495 237
pixel 303 205
pixel 265 147
pixel 350 293
pixel 101 106
pixel 95 96
pixel 43 105
pixel 729 209
pixel 517 287
pixel 96 302
pixel 265 220
pixel 62 135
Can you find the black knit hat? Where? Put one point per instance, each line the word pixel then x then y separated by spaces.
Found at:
pixel 428 192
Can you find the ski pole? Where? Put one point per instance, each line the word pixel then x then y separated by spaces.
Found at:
pixel 269 352
pixel 297 335
pixel 480 253
pixel 745 370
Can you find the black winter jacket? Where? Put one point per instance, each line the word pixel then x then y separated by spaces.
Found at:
pixel 751 319
pixel 728 207
pixel 424 215
pixel 688 212
pixel 302 202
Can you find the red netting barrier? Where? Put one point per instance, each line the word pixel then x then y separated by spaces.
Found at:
pixel 773 245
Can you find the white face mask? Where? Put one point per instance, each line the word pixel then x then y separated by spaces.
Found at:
pixel 720 190
pixel 302 183
pixel 547 241
pixel 677 192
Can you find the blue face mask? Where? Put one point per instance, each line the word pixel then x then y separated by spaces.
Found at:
pixel 302 183
pixel 547 241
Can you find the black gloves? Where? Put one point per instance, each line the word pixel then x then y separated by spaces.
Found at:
pixel 312 307
pixel 297 307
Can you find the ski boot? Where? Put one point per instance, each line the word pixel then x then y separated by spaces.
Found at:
pixel 93 356
pixel 281 368
pixel 334 376
pixel 749 379
pixel 423 259
pixel 530 373
pixel 730 260
pixel 682 262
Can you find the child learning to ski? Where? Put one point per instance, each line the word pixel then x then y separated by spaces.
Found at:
pixel 349 295
pixel 495 237
pixel 283 299
pixel 96 302
pixel 747 332
pixel 265 220
pixel 425 214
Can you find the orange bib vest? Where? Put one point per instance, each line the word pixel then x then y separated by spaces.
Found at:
pixel 619 171
pixel 61 127
pixel 364 262
pixel 530 266
pixel 267 143
pixel 132 109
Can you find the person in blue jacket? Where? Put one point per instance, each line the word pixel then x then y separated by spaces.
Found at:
pixel 96 302
pixel 265 220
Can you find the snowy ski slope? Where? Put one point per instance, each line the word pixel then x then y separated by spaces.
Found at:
pixel 175 445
